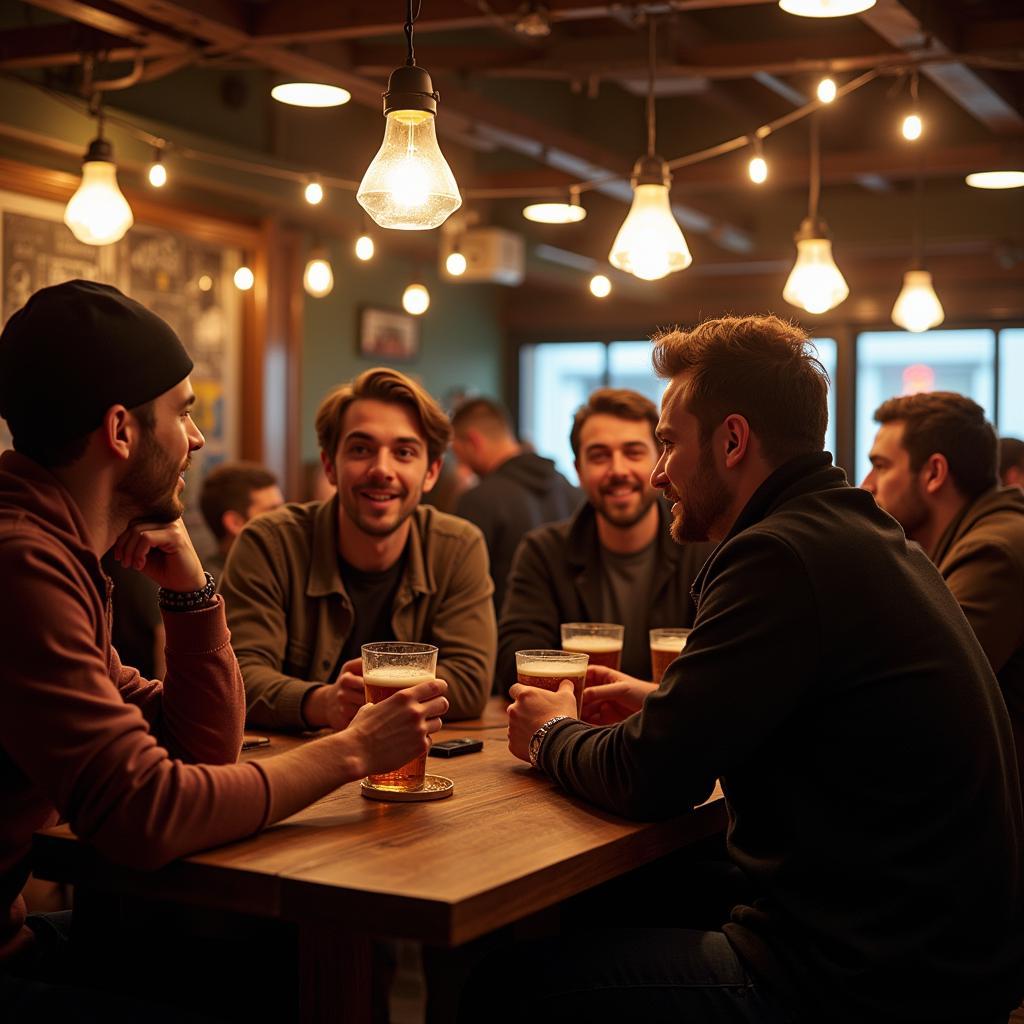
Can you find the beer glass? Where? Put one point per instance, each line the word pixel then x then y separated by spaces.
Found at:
pixel 388 668
pixel 547 669
pixel 665 647
pixel 602 641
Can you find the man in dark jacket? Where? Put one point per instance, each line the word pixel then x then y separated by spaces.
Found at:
pixel 614 560
pixel 933 468
pixel 833 685
pixel 518 490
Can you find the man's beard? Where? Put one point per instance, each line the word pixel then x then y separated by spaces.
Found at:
pixel 909 511
pixel 148 491
pixel 626 521
pixel 703 502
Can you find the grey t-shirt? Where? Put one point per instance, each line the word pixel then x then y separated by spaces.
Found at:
pixel 626 582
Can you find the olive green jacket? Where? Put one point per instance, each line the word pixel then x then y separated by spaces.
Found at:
pixel 289 613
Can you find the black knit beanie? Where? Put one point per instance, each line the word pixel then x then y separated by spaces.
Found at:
pixel 74 350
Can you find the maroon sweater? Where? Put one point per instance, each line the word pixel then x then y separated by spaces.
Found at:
pixel 88 740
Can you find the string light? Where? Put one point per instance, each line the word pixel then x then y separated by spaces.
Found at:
pixel 416 300
pixel 409 185
pixel 600 286
pixel 98 214
pixel 650 244
pixel 815 283
pixel 913 126
pixel 827 89
pixel 314 193
pixel 758 166
pixel 364 248
pixel 318 278
pixel 244 279
pixel 157 173
pixel 455 264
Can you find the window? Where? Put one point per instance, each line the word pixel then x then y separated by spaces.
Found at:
pixel 1011 383
pixel 826 349
pixel 891 363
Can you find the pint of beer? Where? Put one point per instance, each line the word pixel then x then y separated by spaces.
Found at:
pixel 388 668
pixel 602 641
pixel 666 645
pixel 547 669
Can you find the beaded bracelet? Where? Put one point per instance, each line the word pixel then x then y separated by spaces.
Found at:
pixel 186 600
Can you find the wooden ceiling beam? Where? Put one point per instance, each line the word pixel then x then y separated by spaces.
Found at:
pixel 42 46
pixel 107 17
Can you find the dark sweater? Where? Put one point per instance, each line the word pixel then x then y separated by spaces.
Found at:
pixel 833 684
pixel 524 492
pixel 557 577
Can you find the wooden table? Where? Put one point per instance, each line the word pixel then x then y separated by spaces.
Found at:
pixel 506 845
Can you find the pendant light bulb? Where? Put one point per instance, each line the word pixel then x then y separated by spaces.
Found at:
pixel 409 185
pixel 600 286
pixel 318 278
pixel 416 300
pixel 825 8
pixel 827 90
pixel 314 193
pixel 157 173
pixel 364 248
pixel 244 279
pixel 815 283
pixel 917 308
pixel 758 170
pixel 455 264
pixel 97 213
pixel 650 244
pixel 912 127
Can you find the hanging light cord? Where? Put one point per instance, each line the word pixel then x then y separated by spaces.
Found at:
pixel 815 190
pixel 410 21
pixel 918 219
pixel 651 56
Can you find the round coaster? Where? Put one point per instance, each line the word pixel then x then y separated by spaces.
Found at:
pixel 435 787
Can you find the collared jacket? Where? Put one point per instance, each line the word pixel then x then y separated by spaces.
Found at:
pixel 834 686
pixel 290 615
pixel 556 578
pixel 981 558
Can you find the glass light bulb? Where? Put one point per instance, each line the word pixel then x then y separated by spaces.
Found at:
pixel 917 308
pixel 600 286
pixel 758 170
pixel 409 184
pixel 554 213
pixel 815 283
pixel 455 264
pixel 415 299
pixel 314 193
pixel 825 8
pixel 996 179
pixel 244 279
pixel 318 280
pixel 912 127
pixel 650 243
pixel 364 248
pixel 157 174
pixel 97 213
pixel 205 283
pixel 310 94
pixel 827 90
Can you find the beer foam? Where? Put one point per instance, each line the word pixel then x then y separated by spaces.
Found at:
pixel 591 644
pixel 674 644
pixel 393 677
pixel 550 669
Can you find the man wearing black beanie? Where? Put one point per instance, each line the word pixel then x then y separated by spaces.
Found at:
pixel 95 390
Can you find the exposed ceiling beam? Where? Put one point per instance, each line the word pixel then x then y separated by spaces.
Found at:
pixel 221 24
pixel 898 25
pixel 47 46
pixel 107 18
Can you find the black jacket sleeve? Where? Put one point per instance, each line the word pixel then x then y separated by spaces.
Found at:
pixel 746 667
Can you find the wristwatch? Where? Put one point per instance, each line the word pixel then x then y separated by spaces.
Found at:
pixel 538 738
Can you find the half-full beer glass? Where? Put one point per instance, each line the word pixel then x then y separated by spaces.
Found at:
pixel 666 645
pixel 547 669
pixel 388 668
pixel 601 641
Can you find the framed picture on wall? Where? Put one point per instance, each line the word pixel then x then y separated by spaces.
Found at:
pixel 389 335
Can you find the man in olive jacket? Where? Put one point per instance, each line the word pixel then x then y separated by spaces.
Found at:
pixel 306 585
pixel 834 687
pixel 933 468
pixel 613 561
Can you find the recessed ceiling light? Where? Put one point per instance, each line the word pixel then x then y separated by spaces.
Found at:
pixel 554 213
pixel 310 94
pixel 996 179
pixel 825 8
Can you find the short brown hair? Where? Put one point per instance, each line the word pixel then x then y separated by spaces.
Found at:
pixel 1011 453
pixel 228 488
pixel 945 423
pixel 759 367
pixel 619 402
pixel 383 385
pixel 484 414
